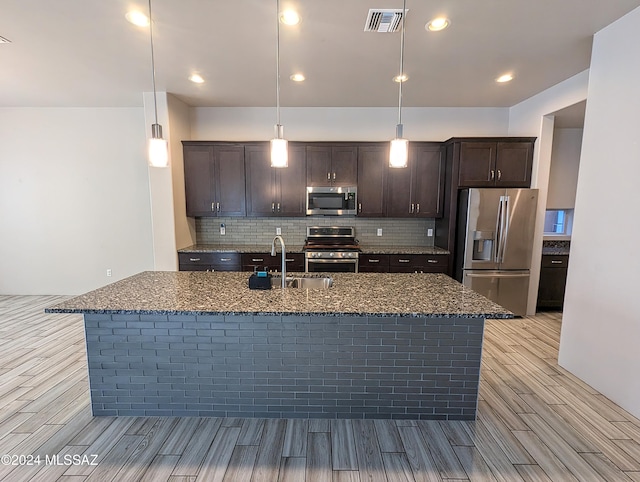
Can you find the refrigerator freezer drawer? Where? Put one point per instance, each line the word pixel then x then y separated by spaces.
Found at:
pixel 509 289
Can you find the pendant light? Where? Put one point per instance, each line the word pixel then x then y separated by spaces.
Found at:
pixel 279 152
pixel 158 149
pixel 399 151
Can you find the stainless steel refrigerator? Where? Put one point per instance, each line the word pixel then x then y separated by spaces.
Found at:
pixel 494 240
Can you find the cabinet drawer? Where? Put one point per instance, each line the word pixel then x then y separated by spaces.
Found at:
pixel 374 263
pixel 421 263
pixel 213 261
pixel 404 260
pixel 295 261
pixel 555 261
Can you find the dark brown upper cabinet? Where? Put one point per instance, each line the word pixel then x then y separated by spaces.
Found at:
pixel 495 163
pixel 275 191
pixel 372 179
pixel 332 165
pixel 214 179
pixel 418 189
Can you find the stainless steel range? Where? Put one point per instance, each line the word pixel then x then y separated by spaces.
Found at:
pixel 331 249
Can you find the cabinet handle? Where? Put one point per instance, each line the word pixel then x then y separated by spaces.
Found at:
pixel 493 175
pixel 278 207
pixel 359 207
pixel 273 207
pixel 373 260
pixel 288 260
pixel 194 259
pixel 328 176
pixel 556 261
pixel 403 261
pixel 257 259
pixel 499 174
pixel 225 259
pixel 432 261
pixel 412 208
pixel 334 176
pixel 218 207
pixel 213 206
pixel 418 208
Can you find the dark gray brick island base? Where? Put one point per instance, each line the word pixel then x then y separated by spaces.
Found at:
pixel 202 344
pixel 284 366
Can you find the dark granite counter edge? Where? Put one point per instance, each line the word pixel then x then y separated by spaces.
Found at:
pixel 429 250
pixel 277 313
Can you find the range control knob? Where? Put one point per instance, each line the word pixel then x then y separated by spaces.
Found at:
pixel 331 254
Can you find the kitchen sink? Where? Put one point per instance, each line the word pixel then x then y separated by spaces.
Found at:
pixel 309 282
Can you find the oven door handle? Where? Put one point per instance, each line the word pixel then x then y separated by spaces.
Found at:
pixel 343 260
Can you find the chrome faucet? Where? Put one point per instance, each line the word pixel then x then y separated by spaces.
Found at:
pixel 284 260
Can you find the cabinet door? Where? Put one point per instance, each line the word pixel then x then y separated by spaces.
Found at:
pixel 372 174
pixel 290 184
pixel 229 180
pixel 260 181
pixel 398 193
pixel 198 180
pixel 428 181
pixel 344 166
pixel 318 165
pixel 513 164
pixel 477 164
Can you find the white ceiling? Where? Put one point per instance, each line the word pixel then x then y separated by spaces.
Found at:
pixel 84 52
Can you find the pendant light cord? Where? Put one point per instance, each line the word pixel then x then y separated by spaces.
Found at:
pixel 153 65
pixel 404 18
pixel 277 62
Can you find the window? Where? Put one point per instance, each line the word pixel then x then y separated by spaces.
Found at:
pixel 558 222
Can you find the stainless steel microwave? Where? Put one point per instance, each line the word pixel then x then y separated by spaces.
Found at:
pixel 332 200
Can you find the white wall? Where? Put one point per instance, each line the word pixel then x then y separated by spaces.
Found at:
pixel 346 124
pixel 74 198
pixel 532 118
pixel 601 322
pixel 565 163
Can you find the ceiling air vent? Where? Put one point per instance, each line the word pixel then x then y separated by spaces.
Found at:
pixel 383 20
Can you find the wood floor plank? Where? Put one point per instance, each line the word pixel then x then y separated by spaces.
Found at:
pixel 533 473
pixel 443 454
pixel 504 437
pixel 251 431
pixel 544 457
pixel 346 476
pixel 270 451
pixel 455 432
pixel 197 448
pixel 397 467
pixel 243 460
pixel 474 465
pixel 607 469
pixel 113 461
pixel 160 468
pixel 215 464
pixel 318 467
pixel 368 451
pixel 388 436
pixel 179 437
pixel 420 459
pixel 343 446
pixel 295 438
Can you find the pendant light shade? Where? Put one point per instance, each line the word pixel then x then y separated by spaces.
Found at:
pixel 158 148
pixel 279 147
pixel 399 149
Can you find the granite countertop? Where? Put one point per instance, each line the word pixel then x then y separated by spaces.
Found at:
pixel 227 293
pixel 218 248
pixel 555 248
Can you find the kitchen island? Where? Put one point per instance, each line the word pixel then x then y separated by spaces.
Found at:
pixel 204 344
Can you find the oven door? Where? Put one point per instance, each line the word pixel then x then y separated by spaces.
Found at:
pixel 331 265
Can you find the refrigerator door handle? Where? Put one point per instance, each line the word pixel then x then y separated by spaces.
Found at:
pixel 498 275
pixel 504 237
pixel 498 239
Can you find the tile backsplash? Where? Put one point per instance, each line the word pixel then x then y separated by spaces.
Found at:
pixel 252 231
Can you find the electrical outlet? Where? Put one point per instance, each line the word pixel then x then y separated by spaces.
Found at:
pixel 429 232
pixel 223 230
pixel 109 272
pixel 278 231
pixel 379 232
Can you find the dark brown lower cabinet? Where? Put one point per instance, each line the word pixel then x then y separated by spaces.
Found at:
pixel 259 261
pixel 209 261
pixel 553 279
pixel 373 263
pixel 403 263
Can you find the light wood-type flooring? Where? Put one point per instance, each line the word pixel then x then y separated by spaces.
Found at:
pixel 535 422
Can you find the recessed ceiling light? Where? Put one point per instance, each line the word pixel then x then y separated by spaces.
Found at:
pixel 4 40
pixel 137 18
pixel 297 77
pixel 437 24
pixel 196 78
pixel 401 78
pixel 289 17
pixel 505 78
